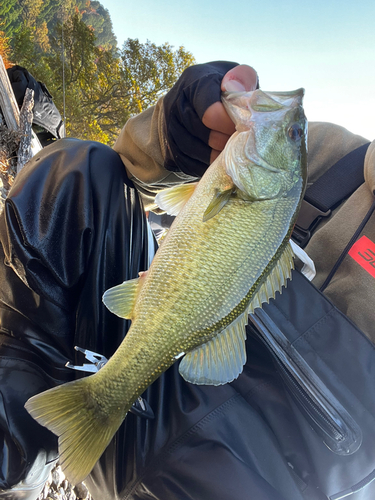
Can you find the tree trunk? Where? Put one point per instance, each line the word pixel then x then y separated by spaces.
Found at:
pixel 9 108
pixel 8 102
pixel 18 142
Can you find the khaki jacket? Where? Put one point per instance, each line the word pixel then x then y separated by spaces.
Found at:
pixel 141 146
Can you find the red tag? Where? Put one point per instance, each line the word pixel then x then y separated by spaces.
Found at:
pixel 363 252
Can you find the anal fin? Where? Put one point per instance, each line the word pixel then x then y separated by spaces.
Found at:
pixel 220 360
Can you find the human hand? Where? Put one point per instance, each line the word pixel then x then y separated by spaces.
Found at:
pixel 197 126
pixel 239 79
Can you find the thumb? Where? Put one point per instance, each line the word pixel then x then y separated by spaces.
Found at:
pixel 241 78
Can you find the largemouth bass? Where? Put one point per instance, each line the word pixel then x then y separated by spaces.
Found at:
pixel 226 253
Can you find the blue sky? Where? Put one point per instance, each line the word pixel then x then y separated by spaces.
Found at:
pixel 327 47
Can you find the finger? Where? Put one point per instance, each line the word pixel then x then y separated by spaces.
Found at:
pixel 214 154
pixel 217 140
pixel 216 118
pixel 239 79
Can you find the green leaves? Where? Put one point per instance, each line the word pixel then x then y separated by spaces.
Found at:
pixel 151 70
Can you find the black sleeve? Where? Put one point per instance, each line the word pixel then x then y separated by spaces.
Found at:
pixel 187 138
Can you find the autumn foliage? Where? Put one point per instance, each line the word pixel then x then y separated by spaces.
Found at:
pixel 5 49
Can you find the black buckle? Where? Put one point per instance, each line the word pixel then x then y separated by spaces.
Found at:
pixel 308 218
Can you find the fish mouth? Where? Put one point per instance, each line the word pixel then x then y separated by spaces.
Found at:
pixel 258 100
pixel 285 97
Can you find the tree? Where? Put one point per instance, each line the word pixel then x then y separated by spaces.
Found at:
pixel 74 55
pixel 150 70
pixel 96 16
pixel 10 11
pixel 28 53
pixel 101 88
pixel 43 15
pixel 31 20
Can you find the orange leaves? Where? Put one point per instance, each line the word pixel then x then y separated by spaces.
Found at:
pixel 5 49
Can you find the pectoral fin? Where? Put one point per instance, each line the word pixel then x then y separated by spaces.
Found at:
pixel 219 200
pixel 173 199
pixel 219 360
pixel 120 299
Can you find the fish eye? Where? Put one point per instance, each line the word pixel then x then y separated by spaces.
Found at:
pixel 295 132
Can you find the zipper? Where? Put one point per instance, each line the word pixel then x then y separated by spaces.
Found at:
pixel 326 415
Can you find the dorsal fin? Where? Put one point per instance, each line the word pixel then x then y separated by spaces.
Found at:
pixel 275 280
pixel 173 199
pixel 220 360
pixel 120 299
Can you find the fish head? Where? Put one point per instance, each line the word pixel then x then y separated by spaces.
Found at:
pixel 267 156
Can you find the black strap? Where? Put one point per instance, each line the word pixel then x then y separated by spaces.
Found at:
pixel 339 182
pixel 334 186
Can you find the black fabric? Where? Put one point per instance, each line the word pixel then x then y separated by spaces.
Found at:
pixel 65 238
pixel 344 360
pixel 45 113
pixel 250 439
pixel 184 107
pixel 205 442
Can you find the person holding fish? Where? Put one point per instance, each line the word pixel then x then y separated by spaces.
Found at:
pixel 179 403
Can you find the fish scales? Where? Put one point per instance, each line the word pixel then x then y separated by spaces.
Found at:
pixel 226 249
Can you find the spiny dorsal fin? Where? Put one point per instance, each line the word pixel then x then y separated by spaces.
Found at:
pixel 173 199
pixel 220 360
pixel 120 299
pixel 276 279
pixel 219 200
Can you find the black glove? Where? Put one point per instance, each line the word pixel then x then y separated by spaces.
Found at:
pixel 184 106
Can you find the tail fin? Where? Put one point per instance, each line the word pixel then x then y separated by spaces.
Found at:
pixel 84 428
